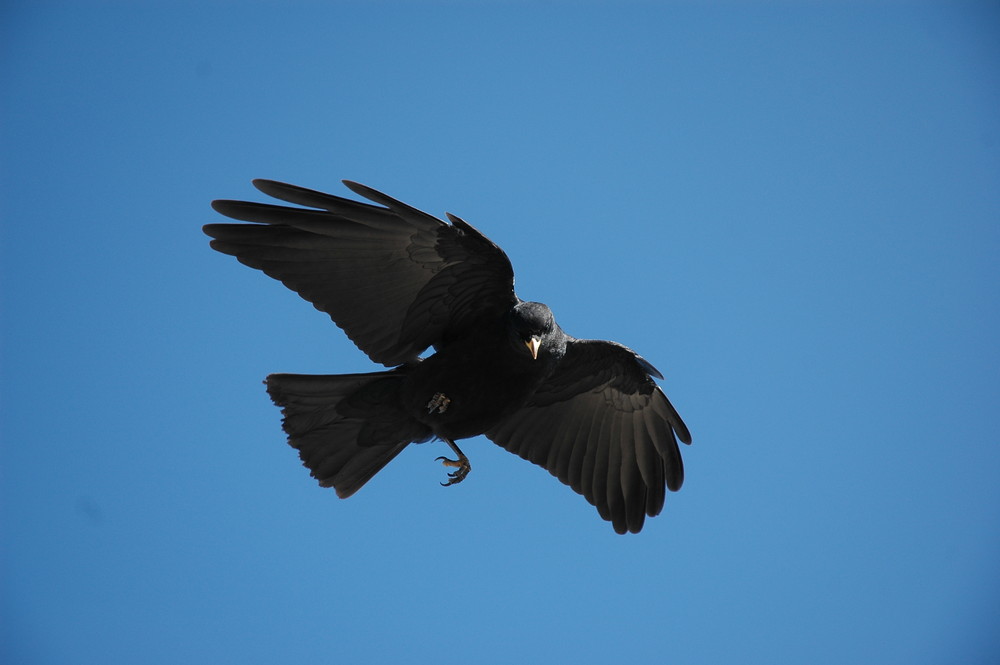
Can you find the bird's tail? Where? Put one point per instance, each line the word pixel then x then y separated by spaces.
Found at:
pixel 346 427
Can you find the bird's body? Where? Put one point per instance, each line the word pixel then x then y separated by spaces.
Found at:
pixel 399 281
pixel 482 389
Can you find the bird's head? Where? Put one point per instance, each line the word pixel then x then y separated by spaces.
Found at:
pixel 533 328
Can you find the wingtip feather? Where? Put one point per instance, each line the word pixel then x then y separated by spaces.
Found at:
pixel 362 190
pixel 648 367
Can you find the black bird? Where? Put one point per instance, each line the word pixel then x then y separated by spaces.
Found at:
pixel 399 281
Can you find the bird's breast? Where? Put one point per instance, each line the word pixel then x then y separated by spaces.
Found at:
pixel 460 397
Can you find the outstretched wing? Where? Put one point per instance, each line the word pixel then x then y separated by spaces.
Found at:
pixel 395 279
pixel 602 426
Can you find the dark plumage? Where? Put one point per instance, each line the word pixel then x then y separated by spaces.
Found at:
pixel 398 281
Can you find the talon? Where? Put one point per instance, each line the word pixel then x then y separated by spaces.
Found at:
pixel 438 403
pixel 462 469
pixel 450 462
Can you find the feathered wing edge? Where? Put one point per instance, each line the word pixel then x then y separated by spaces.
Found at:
pixel 613 441
pixel 395 279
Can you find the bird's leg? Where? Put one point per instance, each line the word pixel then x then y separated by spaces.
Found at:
pixel 438 403
pixel 462 464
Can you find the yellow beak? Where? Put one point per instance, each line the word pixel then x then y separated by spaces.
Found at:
pixel 533 345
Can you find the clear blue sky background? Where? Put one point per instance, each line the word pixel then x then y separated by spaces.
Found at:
pixel 792 209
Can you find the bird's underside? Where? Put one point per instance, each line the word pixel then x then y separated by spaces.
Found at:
pixel 399 281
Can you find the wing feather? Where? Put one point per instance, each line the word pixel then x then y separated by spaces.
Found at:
pixel 601 425
pixel 395 279
pixel 633 489
pixel 613 477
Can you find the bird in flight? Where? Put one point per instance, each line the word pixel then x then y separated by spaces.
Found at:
pixel 399 281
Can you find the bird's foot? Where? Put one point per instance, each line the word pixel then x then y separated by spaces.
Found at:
pixel 462 468
pixel 438 403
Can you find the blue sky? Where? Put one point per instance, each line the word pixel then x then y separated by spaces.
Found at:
pixel 791 209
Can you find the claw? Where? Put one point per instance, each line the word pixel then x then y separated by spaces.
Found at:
pixel 461 471
pixel 438 403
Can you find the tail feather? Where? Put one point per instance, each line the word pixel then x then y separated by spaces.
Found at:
pixel 346 427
